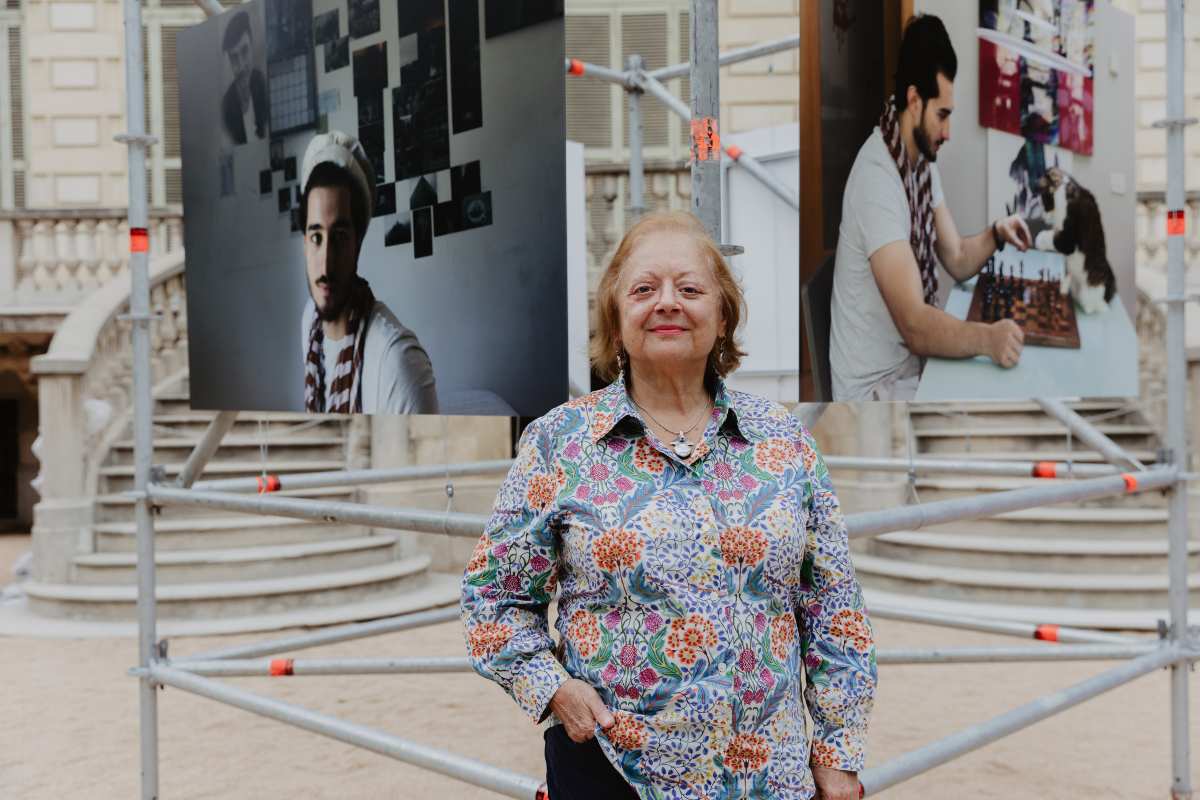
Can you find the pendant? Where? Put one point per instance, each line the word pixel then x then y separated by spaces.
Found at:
pixel 682 447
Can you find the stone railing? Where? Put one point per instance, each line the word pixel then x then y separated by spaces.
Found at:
pixel 85 398
pixel 1152 229
pixel 58 257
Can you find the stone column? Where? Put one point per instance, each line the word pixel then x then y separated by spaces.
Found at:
pixel 62 519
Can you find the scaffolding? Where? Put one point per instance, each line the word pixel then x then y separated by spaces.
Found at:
pixel 198 673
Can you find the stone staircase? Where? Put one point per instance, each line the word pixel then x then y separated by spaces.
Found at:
pixel 1099 563
pixel 223 572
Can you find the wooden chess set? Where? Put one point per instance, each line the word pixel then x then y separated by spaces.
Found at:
pixel 1002 291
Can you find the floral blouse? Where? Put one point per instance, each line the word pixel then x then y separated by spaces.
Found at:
pixel 690 593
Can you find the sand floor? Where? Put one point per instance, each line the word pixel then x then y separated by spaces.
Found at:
pixel 70 725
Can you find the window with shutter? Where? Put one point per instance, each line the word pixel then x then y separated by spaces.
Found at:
pixel 16 120
pixel 646 35
pixel 683 86
pixel 589 101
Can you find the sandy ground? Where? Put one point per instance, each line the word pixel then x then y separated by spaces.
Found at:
pixel 70 725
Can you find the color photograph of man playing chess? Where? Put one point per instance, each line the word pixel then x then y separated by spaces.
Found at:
pixel 1022 310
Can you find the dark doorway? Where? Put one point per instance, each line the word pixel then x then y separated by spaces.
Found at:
pixel 9 458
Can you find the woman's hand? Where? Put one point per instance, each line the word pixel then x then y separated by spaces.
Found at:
pixel 834 784
pixel 580 709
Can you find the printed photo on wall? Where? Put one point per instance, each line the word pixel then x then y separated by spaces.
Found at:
pixel 389 257
pixel 995 264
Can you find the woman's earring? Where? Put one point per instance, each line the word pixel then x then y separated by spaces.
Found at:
pixel 721 350
pixel 621 359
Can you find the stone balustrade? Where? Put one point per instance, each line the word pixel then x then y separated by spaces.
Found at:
pixel 55 258
pixel 85 401
pixel 1152 229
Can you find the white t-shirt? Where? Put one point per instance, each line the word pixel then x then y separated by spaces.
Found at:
pixel 867 355
pixel 397 377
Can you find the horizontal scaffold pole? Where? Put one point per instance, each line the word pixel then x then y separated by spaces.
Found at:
pixel 496 779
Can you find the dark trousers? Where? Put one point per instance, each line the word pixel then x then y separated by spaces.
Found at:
pixel 581 771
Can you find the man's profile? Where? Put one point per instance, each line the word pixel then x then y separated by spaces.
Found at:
pixel 244 105
pixel 358 358
pixel 895 228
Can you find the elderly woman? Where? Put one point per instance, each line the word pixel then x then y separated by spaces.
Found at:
pixel 698 552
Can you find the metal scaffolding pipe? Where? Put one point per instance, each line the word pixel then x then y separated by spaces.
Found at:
pixel 997 655
pixel 730 57
pixel 476 773
pixel 1025 630
pixel 876 779
pixel 705 83
pixel 1005 469
pixel 637 177
pixel 221 424
pixel 743 159
pixel 211 7
pixel 334 635
pixel 1177 398
pixel 907 518
pixel 576 67
pixel 300 667
pixel 449 523
pixel 1089 434
pixel 352 477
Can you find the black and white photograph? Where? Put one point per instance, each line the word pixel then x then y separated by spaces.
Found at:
pixel 461 307
pixel 337 54
pixel 364 17
pixel 325 27
pixel 244 109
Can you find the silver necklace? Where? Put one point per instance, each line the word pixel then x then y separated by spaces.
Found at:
pixel 682 447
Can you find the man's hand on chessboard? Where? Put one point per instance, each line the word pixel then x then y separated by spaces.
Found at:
pixel 1012 230
pixel 1006 340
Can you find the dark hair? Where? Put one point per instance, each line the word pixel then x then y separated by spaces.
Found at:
pixel 238 26
pixel 925 51
pixel 328 174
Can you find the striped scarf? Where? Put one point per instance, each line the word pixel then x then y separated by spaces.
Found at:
pixel 918 187
pixel 347 372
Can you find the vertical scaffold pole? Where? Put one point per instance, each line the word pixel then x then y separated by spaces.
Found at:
pixel 706 112
pixel 637 178
pixel 139 308
pixel 1177 443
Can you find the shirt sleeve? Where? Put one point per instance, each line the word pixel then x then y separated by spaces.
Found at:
pixel 837 643
pixel 407 386
pixel 511 578
pixel 880 208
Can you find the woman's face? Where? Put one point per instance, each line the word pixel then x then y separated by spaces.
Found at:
pixel 668 303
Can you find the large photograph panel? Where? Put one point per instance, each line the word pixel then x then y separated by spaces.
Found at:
pixel 455 302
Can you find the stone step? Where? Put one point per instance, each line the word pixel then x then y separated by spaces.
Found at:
pixel 1082 407
pixel 194 423
pixel 1076 455
pixel 1112 591
pixel 238 563
pixel 119 477
pixel 1067 521
pixel 1028 554
pixel 119 507
pixel 975 429
pixel 442 589
pixel 935 488
pixel 220 533
pixel 1102 619
pixel 203 601
pixel 239 447
pixel 999 414
pixel 941 442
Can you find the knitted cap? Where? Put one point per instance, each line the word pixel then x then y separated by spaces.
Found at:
pixel 346 152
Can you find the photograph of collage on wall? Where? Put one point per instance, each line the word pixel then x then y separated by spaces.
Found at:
pixel 415 105
pixel 1036 70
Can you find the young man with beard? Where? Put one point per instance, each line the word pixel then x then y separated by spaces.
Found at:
pixel 895 228
pixel 358 357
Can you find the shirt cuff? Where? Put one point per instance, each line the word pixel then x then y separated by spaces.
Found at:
pixel 840 748
pixel 537 681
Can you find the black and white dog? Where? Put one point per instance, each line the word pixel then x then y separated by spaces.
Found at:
pixel 1078 234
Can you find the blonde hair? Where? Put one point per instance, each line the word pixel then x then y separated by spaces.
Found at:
pixel 606 330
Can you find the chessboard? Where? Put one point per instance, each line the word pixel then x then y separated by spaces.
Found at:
pixel 1002 291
